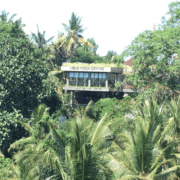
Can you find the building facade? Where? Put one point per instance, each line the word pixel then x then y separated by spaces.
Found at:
pixel 94 77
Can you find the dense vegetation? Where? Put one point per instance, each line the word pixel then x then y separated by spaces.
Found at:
pixel 133 138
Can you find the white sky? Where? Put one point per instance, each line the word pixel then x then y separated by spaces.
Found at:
pixel 112 23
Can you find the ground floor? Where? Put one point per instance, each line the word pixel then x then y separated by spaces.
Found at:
pixel 83 97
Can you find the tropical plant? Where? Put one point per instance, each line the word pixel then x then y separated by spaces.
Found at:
pixel 23 76
pixel 74 38
pixel 156 55
pixel 81 156
pixel 20 171
pixel 174 107
pixel 146 153
pixel 10 29
pixel 37 127
pixel 4 17
pixel 39 39
pixel 9 130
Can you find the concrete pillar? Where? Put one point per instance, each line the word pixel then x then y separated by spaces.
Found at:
pixel 77 81
pixel 125 94
pixel 65 92
pixel 67 80
pixel 72 96
pixel 89 79
pixel 106 80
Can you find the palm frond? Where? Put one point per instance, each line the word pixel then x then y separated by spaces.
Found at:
pixel 53 73
pixel 99 129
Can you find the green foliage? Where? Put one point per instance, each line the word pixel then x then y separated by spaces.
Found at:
pixel 9 129
pixel 23 76
pixel 39 39
pixel 143 155
pixel 173 16
pixel 9 28
pixel 4 163
pixel 86 56
pixel 156 55
pixel 75 24
pixel 94 49
pixel 116 111
pixel 106 105
pixel 153 59
pixel 74 39
pixel 110 54
pixel 79 156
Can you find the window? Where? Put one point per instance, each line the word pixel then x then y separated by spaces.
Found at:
pixel 78 79
pixel 98 79
pixel 81 79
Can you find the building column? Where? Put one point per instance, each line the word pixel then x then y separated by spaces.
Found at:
pixel 65 92
pixel 125 94
pixel 67 80
pixel 76 81
pixel 72 96
pixel 106 80
pixel 89 79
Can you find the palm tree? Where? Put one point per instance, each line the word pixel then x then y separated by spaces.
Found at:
pixel 174 107
pixel 74 38
pixel 37 127
pixel 81 156
pixel 40 40
pixel 4 17
pixel 10 27
pixel 20 171
pixel 145 153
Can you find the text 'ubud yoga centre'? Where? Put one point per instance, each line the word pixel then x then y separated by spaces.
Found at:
pixel 87 68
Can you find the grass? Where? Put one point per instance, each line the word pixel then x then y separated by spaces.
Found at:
pixel 96 65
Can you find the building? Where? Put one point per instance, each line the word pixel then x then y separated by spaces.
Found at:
pixel 94 77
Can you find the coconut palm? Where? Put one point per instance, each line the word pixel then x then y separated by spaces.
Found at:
pixel 4 17
pixel 145 153
pixel 20 171
pixel 174 107
pixel 40 40
pixel 74 38
pixel 82 156
pixel 37 127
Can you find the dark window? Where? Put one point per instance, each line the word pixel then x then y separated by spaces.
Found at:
pixel 78 79
pixel 98 79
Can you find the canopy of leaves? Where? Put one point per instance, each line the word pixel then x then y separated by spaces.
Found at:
pixel 9 130
pixel 81 55
pixel 39 39
pixel 23 76
pixel 156 58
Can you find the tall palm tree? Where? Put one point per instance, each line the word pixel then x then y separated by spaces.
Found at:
pixel 10 27
pixel 4 17
pixel 40 40
pixel 74 39
pixel 145 153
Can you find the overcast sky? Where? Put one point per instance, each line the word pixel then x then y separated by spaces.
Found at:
pixel 112 23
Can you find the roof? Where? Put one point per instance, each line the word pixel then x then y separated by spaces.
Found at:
pixel 129 62
pixel 79 64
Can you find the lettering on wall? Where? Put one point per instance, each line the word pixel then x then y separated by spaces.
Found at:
pixel 87 68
